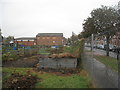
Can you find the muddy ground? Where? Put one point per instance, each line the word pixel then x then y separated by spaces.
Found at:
pixel 28 81
pixel 23 62
pixel 17 81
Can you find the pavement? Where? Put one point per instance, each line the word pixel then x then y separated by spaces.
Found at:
pixel 102 76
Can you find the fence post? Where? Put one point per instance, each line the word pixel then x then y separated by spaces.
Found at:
pixel 118 52
pixel 92 42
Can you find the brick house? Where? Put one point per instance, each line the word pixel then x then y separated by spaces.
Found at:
pixel 116 39
pixel 50 39
pixel 27 41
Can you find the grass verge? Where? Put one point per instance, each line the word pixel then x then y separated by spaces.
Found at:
pixel 54 81
pixel 108 61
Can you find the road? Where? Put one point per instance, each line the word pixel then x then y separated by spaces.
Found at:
pixel 102 52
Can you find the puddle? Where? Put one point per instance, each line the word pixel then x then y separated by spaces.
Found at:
pixel 58 63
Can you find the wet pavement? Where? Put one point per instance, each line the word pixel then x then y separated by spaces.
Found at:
pixel 103 76
pixel 58 63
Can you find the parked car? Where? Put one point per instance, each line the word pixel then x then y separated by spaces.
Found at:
pixel 100 46
pixel 94 46
pixel 116 49
pixel 87 44
pixel 110 47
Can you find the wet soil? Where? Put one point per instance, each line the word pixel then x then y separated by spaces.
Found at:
pixel 23 62
pixel 17 81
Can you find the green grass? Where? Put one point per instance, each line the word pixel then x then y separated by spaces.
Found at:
pixel 17 70
pixel 43 51
pixel 108 61
pixel 54 81
pixel 50 80
pixel 9 71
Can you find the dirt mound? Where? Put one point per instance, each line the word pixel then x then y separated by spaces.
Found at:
pixel 23 62
pixel 20 81
pixel 62 55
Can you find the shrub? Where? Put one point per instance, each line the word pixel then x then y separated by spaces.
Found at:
pixel 5 57
pixel 9 56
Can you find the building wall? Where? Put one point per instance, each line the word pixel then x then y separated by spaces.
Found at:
pixel 116 39
pixel 26 43
pixel 49 41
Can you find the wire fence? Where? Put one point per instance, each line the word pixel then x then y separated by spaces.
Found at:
pixel 100 42
pixel 102 75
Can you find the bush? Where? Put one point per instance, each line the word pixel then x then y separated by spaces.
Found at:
pixel 5 57
pixel 30 52
pixel 9 56
pixel 14 55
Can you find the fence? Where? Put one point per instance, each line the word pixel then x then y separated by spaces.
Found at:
pixel 102 76
pixel 100 42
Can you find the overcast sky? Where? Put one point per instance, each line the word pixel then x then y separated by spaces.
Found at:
pixel 26 18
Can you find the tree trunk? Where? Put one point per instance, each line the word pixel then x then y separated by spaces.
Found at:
pixel 107 46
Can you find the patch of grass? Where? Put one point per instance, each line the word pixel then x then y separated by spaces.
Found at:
pixel 50 80
pixel 108 61
pixel 43 51
pixel 8 71
pixel 16 70
pixel 53 81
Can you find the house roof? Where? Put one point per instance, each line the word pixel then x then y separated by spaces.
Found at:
pixel 50 34
pixel 25 38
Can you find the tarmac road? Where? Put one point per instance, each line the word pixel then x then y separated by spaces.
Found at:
pixel 102 52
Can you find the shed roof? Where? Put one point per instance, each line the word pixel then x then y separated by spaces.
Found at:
pixel 50 34
pixel 25 38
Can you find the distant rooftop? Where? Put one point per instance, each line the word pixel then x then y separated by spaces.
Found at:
pixel 25 38
pixel 50 34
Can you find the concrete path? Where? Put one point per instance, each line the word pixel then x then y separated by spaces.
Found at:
pixel 102 76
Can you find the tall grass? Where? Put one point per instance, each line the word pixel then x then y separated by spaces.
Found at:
pixel 76 49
